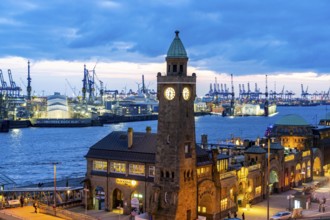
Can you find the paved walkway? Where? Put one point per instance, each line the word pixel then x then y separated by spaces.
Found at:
pixel 279 202
pixel 26 213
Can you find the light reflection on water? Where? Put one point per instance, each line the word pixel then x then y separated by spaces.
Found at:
pixel 26 154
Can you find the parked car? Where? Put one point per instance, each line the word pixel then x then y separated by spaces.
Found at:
pixel 282 215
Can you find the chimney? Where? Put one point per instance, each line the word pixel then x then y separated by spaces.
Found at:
pixel 204 141
pixel 130 137
pixel 148 129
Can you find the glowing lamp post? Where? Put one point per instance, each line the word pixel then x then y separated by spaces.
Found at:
pixel 86 191
pixel 55 163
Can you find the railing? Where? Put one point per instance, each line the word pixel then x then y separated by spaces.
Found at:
pixel 227 175
pixel 254 167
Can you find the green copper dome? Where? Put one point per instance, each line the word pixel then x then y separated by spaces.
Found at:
pixel 176 49
pixel 291 120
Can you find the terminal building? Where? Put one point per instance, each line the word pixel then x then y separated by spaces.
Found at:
pixel 169 176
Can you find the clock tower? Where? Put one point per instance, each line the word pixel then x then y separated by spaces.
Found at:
pixel 175 189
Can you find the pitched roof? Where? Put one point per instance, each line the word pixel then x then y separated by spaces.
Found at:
pixel 255 150
pixel 177 49
pixel 114 146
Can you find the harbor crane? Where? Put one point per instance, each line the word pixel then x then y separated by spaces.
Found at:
pixel 15 90
pixel 3 82
pixel 232 101
pixel 304 93
pixel 85 84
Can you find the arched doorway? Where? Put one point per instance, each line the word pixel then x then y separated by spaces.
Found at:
pixel 99 198
pixel 117 199
pixel 205 205
pixel 273 181
pixel 317 166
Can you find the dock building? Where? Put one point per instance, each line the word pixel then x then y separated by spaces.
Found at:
pixel 169 176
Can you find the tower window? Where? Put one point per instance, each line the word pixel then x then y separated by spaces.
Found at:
pixel 187 150
pixel 175 68
pixel 181 68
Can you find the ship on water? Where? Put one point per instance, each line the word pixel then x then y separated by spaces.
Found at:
pixel 248 104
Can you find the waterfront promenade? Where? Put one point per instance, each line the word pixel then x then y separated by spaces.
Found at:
pixel 278 202
pixel 27 213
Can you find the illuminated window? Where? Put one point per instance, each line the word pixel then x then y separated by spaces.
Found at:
pixel 136 169
pixel 222 165
pixel 136 195
pixel 100 165
pixel 117 167
pixel 202 209
pixel 152 171
pixel 223 204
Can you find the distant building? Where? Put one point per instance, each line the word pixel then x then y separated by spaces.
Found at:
pixel 57 106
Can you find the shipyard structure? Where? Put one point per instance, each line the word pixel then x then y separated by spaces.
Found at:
pixel 167 175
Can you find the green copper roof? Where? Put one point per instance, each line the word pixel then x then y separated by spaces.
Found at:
pixel 292 120
pixel 176 49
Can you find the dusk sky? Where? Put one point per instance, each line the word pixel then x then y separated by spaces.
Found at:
pixel 287 40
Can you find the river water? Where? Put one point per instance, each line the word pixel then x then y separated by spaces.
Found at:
pixel 26 155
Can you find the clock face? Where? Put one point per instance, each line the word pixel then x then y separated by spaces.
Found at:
pixel 169 93
pixel 186 93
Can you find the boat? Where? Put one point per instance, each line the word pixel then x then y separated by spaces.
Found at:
pixel 4 126
pixel 71 122
pixel 247 109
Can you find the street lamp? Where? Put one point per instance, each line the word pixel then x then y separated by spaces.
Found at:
pixel 55 163
pixel 86 191
pixel 289 197
pixel 268 173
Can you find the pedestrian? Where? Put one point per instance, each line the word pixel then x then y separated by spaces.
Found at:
pixel 21 201
pixel 243 216
pixel 323 208
pixel 35 205
pixel 229 214
pixel 320 207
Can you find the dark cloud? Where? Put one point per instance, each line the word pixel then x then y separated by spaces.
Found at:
pixel 222 36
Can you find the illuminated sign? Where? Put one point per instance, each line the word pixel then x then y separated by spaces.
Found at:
pixel 289 158
pixel 126 182
pixel 306 153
